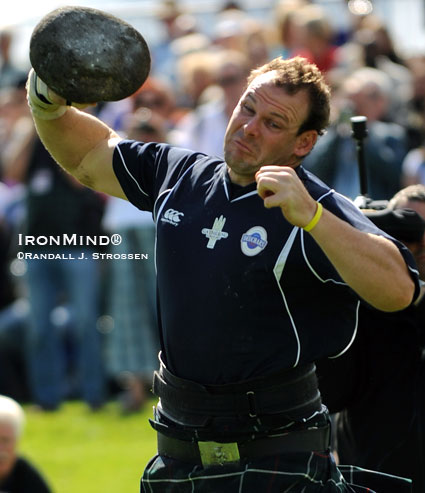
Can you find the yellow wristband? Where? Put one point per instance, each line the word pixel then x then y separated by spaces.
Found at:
pixel 315 219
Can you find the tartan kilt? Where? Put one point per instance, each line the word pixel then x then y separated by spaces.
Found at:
pixel 296 472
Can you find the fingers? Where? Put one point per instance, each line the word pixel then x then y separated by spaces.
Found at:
pixel 39 99
pixel 274 168
pixel 279 186
pixel 45 104
pixel 267 188
pixel 271 183
pixel 55 98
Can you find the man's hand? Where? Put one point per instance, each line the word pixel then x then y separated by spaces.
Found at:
pixel 279 186
pixel 45 103
pixel 42 102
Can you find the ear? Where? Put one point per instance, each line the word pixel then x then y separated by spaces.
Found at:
pixel 305 143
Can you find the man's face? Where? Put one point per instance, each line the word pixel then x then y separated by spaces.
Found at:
pixel 8 444
pixel 418 247
pixel 263 130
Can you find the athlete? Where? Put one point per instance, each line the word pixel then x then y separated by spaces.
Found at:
pixel 260 268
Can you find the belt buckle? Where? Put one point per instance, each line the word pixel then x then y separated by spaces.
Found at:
pixel 218 454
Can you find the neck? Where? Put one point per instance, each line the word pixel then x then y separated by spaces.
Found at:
pixel 241 180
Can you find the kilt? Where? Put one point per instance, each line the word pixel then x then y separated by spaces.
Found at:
pixel 285 465
pixel 295 472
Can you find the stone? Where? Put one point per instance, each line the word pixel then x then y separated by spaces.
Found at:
pixel 87 56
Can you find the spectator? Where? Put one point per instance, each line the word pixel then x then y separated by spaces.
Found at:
pixel 195 74
pixel 372 46
pixel 163 58
pixel 383 371
pixel 380 44
pixel 235 30
pixel 17 474
pixel 366 92
pixel 415 107
pixel 203 128
pixel 13 311
pixel 230 30
pixel 315 37
pixel 15 123
pixel 52 196
pixel 132 344
pixel 159 97
pixel 413 167
pixel 413 197
pixel 10 74
pixel 288 33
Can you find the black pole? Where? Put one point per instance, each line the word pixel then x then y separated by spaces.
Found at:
pixel 359 128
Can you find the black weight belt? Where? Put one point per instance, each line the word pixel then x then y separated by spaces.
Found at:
pixel 292 393
pixel 214 453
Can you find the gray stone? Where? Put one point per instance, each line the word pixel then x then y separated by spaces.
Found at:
pixel 86 55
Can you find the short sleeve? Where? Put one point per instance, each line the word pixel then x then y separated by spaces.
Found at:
pixel 144 170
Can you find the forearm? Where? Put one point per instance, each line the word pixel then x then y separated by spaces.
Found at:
pixel 71 137
pixel 82 144
pixel 371 265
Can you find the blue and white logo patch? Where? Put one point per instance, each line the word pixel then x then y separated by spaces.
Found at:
pixel 254 241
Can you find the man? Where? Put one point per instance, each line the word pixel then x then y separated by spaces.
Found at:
pixel 203 128
pixel 367 91
pixel 383 371
pixel 260 268
pixel 413 197
pixel 17 475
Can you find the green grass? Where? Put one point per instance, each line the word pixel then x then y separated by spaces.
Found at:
pixel 79 451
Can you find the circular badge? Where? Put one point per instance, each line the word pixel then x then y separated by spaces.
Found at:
pixel 254 241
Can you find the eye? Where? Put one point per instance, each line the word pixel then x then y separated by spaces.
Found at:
pixel 247 108
pixel 272 124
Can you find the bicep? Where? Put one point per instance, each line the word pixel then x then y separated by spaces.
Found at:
pixel 96 169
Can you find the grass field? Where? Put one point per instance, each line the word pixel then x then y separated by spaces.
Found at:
pixel 79 451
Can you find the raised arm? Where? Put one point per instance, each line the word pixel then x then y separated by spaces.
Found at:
pixel 79 142
pixel 371 265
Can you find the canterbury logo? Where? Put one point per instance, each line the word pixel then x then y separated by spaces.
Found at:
pixel 172 216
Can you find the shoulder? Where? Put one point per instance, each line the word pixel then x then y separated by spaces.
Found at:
pixel 29 476
pixel 157 151
pixel 338 204
pixel 315 186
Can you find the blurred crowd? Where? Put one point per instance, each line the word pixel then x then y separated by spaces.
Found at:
pixel 87 329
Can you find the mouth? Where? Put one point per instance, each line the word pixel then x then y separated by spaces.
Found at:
pixel 241 145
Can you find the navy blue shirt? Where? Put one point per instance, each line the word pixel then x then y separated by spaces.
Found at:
pixel 242 292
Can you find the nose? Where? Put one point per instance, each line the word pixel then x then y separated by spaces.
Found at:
pixel 251 127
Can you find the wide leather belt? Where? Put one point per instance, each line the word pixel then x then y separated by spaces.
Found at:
pixel 293 393
pixel 215 453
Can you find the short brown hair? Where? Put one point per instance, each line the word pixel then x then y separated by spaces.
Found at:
pixel 296 74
